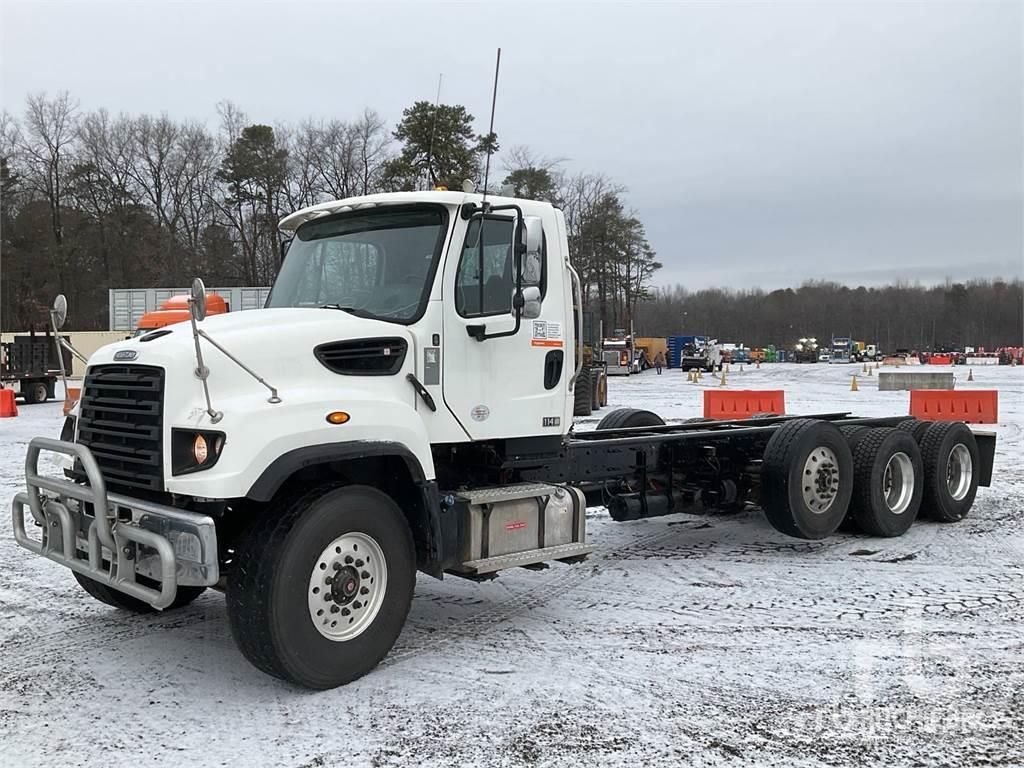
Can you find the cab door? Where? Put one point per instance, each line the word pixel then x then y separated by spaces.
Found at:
pixel 512 383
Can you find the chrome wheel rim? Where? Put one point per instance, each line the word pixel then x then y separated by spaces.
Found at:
pixel 959 471
pixel 898 483
pixel 346 588
pixel 820 480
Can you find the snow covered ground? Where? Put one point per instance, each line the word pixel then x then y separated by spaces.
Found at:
pixel 682 640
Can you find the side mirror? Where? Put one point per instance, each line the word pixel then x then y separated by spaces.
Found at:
pixel 197 300
pixel 59 312
pixel 531 266
pixel 285 245
pixel 528 301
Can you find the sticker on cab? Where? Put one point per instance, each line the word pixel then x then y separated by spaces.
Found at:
pixel 546 334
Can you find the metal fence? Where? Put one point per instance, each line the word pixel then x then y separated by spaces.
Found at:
pixel 128 305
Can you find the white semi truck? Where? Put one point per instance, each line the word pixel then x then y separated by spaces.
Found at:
pixel 404 403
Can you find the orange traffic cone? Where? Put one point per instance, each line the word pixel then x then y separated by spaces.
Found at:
pixel 853 384
pixel 7 407
pixel 722 382
pixel 970 375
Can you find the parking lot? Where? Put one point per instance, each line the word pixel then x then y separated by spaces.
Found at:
pixel 681 640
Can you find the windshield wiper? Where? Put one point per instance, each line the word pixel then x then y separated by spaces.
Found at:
pixel 350 310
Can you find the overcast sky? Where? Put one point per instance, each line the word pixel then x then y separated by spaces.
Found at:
pixel 761 143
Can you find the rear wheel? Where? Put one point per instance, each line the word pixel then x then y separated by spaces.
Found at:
pixel 888 482
pixel 806 479
pixel 950 455
pixel 323 585
pixel 581 394
pixel 35 392
pixel 118 599
pixel 624 418
pixel 915 427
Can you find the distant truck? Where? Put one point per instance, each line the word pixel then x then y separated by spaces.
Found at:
pixel 31 362
pixel 618 356
pixel 806 350
pixel 703 353
pixel 175 310
pixel 842 350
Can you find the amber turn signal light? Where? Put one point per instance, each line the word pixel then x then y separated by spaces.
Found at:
pixel 337 417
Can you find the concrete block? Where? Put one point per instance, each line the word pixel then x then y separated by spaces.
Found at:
pixel 889 381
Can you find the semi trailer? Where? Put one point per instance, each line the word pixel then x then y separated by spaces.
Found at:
pixel 404 403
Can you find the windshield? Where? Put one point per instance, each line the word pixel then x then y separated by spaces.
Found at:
pixel 371 263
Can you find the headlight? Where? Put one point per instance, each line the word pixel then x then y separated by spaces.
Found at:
pixel 194 450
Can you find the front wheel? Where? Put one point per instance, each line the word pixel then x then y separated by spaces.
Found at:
pixel 117 599
pixel 323 585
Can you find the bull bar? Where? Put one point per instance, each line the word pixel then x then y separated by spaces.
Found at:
pixel 169 545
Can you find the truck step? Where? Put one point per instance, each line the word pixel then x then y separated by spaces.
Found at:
pixel 529 557
pixel 502 493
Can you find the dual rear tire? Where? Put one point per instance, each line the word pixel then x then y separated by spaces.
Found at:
pixel 814 476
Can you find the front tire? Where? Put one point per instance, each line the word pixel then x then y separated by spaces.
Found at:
pixel 806 479
pixel 323 585
pixel 117 599
pixel 582 404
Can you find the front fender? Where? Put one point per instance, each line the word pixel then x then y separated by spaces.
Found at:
pixel 297 437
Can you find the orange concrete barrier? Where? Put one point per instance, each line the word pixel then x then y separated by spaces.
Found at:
pixel 72 399
pixel 743 403
pixel 975 406
pixel 7 406
pixel 940 360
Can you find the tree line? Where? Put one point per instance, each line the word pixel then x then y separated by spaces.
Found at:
pixel 91 201
pixel 988 313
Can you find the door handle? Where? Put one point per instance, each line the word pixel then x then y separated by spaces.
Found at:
pixel 421 391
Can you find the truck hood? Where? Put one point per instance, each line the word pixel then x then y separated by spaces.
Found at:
pixel 285 335
pixel 277 344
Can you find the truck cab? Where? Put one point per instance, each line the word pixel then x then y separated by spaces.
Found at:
pixel 408 339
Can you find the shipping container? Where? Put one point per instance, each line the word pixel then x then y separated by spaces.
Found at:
pixel 128 305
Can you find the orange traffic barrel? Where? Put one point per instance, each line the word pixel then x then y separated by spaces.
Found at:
pixel 7 406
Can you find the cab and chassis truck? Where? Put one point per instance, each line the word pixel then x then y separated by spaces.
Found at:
pixel 404 403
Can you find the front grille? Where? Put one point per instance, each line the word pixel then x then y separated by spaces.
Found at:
pixel 363 357
pixel 120 421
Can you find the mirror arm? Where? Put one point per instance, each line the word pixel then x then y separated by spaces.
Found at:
pixel 67 345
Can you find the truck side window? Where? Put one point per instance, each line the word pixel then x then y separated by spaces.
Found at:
pixel 484 281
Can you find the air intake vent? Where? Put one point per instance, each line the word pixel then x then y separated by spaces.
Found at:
pixel 363 357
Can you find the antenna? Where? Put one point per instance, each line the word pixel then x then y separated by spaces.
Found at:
pixel 490 131
pixel 433 127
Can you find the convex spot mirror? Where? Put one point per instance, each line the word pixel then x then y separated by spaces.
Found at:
pixel 59 312
pixel 530 301
pixel 531 245
pixel 197 300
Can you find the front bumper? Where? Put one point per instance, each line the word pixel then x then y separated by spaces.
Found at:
pixel 110 538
